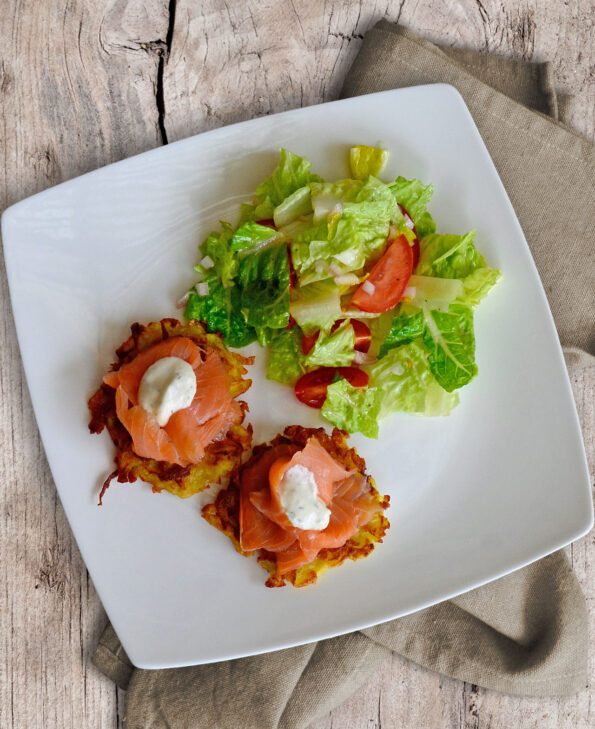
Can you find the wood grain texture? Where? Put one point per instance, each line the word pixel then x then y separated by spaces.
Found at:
pixel 84 83
pixel 77 91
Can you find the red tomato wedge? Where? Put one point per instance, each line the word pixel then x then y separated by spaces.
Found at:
pixel 363 336
pixel 311 388
pixel 415 245
pixel 387 280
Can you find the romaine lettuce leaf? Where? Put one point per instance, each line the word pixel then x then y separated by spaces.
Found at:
pixel 246 214
pixel 450 340
pixel 220 310
pixel 477 285
pixel 327 196
pixel 354 409
pixel 435 293
pixel 295 206
pixel 365 161
pixel 316 306
pixel 263 278
pixel 405 383
pixel 291 173
pixel 414 196
pixel 449 256
pixel 408 324
pixel 252 235
pixel 333 348
pixel 286 360
pixel 217 246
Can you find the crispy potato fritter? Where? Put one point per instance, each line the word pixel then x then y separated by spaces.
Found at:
pixel 222 457
pixel 223 513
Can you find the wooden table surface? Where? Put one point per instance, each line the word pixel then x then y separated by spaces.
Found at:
pixel 88 82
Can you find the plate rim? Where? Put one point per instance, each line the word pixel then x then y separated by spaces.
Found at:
pixel 11 212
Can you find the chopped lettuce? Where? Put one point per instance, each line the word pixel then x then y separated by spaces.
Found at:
pixel 327 196
pixel 291 173
pixel 263 277
pixel 246 214
pixel 414 196
pixel 449 256
pixel 252 235
pixel 405 383
pixel 354 409
pixel 217 247
pixel 316 306
pixel 221 311
pixel 365 161
pixel 450 340
pixel 477 285
pixel 408 324
pixel 435 293
pixel 297 205
pixel 286 361
pixel 333 348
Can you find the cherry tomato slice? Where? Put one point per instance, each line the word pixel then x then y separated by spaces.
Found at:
pixel 311 388
pixel 415 245
pixel 363 337
pixel 268 223
pixel 354 376
pixel 389 277
pixel 308 341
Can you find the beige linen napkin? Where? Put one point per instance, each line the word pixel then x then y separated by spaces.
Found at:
pixel 525 633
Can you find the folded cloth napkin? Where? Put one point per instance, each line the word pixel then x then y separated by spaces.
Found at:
pixel 527 632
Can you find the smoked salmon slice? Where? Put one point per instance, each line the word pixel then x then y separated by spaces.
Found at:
pixel 183 439
pixel 265 525
pixel 200 444
pixel 249 509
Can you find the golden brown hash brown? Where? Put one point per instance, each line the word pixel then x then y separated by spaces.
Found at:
pixel 221 457
pixel 224 512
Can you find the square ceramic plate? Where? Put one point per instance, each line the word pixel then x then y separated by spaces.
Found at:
pixel 496 485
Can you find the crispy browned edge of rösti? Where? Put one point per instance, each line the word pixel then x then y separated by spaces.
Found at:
pixel 222 457
pixel 223 513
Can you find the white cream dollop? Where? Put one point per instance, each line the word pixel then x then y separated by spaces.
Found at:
pixel 299 498
pixel 167 386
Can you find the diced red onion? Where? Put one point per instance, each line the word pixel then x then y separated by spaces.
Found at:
pixel 202 289
pixel 362 358
pixel 347 279
pixel 409 223
pixel 207 262
pixel 181 303
pixel 369 287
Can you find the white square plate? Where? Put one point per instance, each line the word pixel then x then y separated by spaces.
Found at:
pixel 498 484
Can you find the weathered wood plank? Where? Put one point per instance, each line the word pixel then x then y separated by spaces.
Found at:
pixel 252 58
pixel 77 90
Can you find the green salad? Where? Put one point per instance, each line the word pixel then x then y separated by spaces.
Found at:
pixel 364 308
